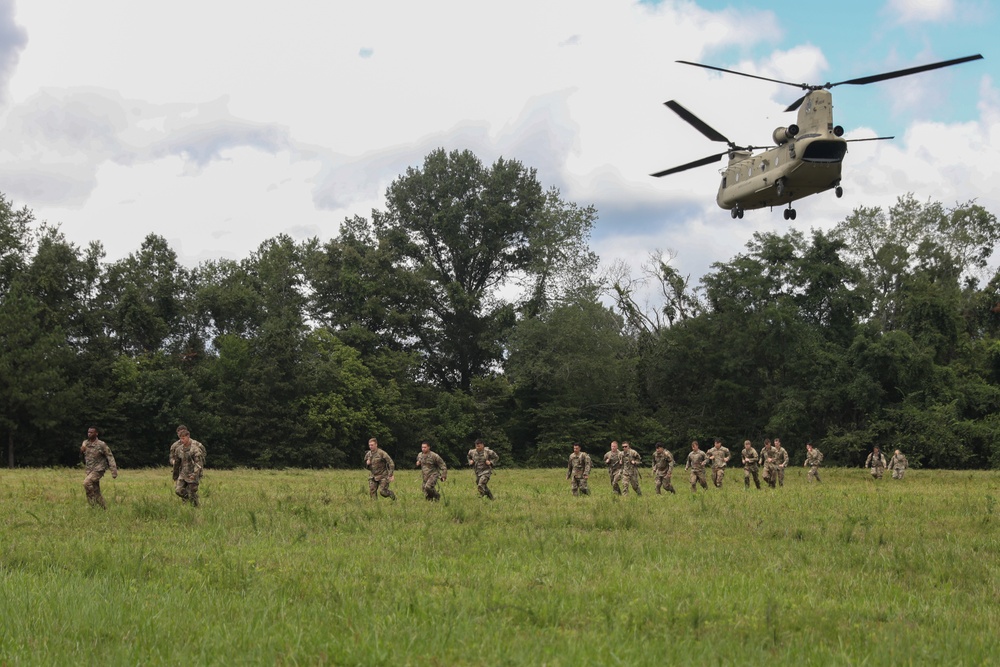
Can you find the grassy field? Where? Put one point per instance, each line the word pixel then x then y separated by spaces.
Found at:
pixel 301 568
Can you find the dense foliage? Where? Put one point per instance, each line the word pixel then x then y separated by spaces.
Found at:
pixel 472 307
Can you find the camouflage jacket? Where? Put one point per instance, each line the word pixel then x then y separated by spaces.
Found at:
pixel 631 460
pixel 875 462
pixel 97 456
pixel 898 462
pixel 478 459
pixel 432 462
pixel 379 464
pixel 175 456
pixel 579 465
pixel 750 457
pixel 696 461
pixel 767 456
pixel 814 458
pixel 192 461
pixel 780 456
pixel 663 461
pixel 718 456
pixel 614 460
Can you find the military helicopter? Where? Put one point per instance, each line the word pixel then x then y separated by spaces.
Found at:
pixel 807 157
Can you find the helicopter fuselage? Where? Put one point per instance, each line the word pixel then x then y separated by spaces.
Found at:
pixel 804 163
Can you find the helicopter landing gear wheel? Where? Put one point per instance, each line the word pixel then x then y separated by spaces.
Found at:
pixel 739 214
pixel 736 212
pixel 732 213
pixel 839 191
pixel 789 213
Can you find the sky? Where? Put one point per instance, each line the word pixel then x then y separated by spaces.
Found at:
pixel 218 125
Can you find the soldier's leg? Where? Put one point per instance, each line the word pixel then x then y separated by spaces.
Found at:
pixel 701 480
pixel 626 482
pixel 574 485
pixel 901 472
pixel 192 490
pixel 180 488
pixel 781 476
pixel 583 487
pixel 384 490
pixel 88 487
pixel 616 482
pixel 694 481
pixel 635 485
pixel 756 480
pixel 484 481
pixel 670 483
pixel 659 484
pixel 372 487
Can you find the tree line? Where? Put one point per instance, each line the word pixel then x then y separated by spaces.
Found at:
pixel 472 306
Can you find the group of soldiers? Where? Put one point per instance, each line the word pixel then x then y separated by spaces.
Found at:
pixel 623 466
pixel 187 459
pixel 433 469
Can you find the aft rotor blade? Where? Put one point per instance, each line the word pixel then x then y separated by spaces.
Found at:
pixel 690 165
pixel 697 123
pixel 751 76
pixel 871 139
pixel 905 72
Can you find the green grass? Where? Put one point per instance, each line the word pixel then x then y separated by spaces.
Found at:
pixel 301 568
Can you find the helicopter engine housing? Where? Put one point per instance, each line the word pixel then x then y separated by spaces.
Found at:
pixel 783 135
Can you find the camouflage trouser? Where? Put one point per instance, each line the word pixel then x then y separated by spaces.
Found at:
pixel 897 473
pixel 748 472
pixel 187 490
pixel 781 476
pixel 92 485
pixel 813 474
pixel 698 477
pixel 381 486
pixel 579 485
pixel 483 483
pixel 771 475
pixel 630 478
pixel 717 475
pixel 663 480
pixel 616 480
pixel 877 472
pixel 430 486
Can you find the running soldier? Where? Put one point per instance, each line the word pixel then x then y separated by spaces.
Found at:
pixel 813 458
pixel 381 471
pixel 482 459
pixel 615 460
pixel 175 452
pixel 876 461
pixel 630 469
pixel 780 460
pixel 696 460
pixel 433 468
pixel 750 460
pixel 663 468
pixel 719 456
pixel 97 458
pixel 767 453
pixel 579 471
pixel 898 464
pixel 192 462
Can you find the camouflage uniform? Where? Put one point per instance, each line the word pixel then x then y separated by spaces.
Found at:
pixel 631 460
pixel 750 460
pixel 615 460
pixel 663 470
pixel 696 461
pixel 877 464
pixel 578 471
pixel 433 468
pixel 380 469
pixel 192 462
pixel 175 456
pixel 97 458
pixel 781 460
pixel 767 456
pixel 898 465
pixel 718 455
pixel 481 464
pixel 813 458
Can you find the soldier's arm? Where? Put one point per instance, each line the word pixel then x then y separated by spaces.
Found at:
pixel 111 461
pixel 390 465
pixel 586 466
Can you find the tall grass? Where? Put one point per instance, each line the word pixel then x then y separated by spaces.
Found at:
pixel 300 567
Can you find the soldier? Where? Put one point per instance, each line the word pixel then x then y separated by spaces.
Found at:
pixel 433 468
pixel 579 471
pixel 877 462
pixel 615 460
pixel 750 460
pixel 780 460
pixel 898 464
pixel 631 460
pixel 696 460
pixel 813 458
pixel 97 458
pixel 482 459
pixel 767 453
pixel 719 456
pixel 192 462
pixel 175 456
pixel 381 471
pixel 663 468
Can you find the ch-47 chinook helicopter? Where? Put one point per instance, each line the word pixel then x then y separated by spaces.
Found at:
pixel 807 158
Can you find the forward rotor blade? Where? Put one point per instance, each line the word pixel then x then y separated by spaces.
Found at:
pixel 690 165
pixel 797 103
pixel 871 139
pixel 697 123
pixel 905 72
pixel 751 76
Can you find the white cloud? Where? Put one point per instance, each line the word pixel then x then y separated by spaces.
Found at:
pixel 921 11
